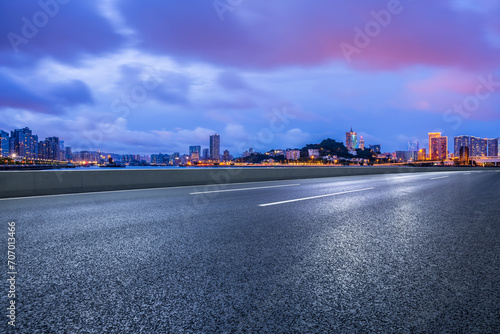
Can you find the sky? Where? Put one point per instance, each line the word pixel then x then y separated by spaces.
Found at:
pixel 151 76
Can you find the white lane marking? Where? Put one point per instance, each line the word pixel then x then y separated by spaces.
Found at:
pixel 441 177
pixel 128 190
pixel 241 189
pixel 312 197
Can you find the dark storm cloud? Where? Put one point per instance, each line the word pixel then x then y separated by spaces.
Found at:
pixel 60 29
pixel 15 95
pixel 52 99
pixel 72 93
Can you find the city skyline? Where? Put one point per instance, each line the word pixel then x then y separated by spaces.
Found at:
pixel 133 87
pixel 24 143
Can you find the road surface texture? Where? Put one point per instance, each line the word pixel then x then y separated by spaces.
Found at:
pixel 411 253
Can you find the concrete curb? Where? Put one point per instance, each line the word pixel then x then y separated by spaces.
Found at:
pixel 54 182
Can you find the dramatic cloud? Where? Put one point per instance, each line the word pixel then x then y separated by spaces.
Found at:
pixel 259 34
pixel 56 28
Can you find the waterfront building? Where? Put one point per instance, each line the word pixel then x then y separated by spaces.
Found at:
pixel 361 143
pixel 422 154
pixel 459 142
pixel 194 153
pixel 215 147
pixel 68 155
pixel 4 144
pixel 23 143
pixel 403 156
pixel 438 146
pixel 52 149
pixel 292 154
pixel 464 155
pixel 478 147
pixel 351 140
pixel 432 135
pixel 206 154
pixel 492 147
pixel 157 159
pixel 313 153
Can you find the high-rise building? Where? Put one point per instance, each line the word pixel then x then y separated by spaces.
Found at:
pixel 478 147
pixel 4 144
pixel 42 150
pixel 432 135
pixel 498 141
pixel 61 148
pixel 413 146
pixel 403 156
pixel 52 148
pixel 23 143
pixel 492 147
pixel 362 143
pixel 351 140
pixel 68 155
pixel 206 154
pixel 226 156
pixel 194 153
pixel 215 147
pixel 194 149
pixel 459 142
pixel 438 146
pixel 464 155
pixel 422 154
pixel 157 159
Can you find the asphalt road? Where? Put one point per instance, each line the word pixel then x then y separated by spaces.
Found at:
pixel 409 253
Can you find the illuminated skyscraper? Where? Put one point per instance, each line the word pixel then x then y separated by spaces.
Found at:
pixel 194 153
pixel 422 154
pixel 464 155
pixel 438 146
pixel 53 149
pixel 68 155
pixel 478 147
pixel 215 147
pixel 362 143
pixel 351 140
pixel 460 141
pixel 206 154
pixel 432 135
pixel 492 147
pixel 4 144
pixel 23 143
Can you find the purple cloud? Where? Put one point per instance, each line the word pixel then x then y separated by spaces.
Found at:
pixel 258 34
pixel 60 29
